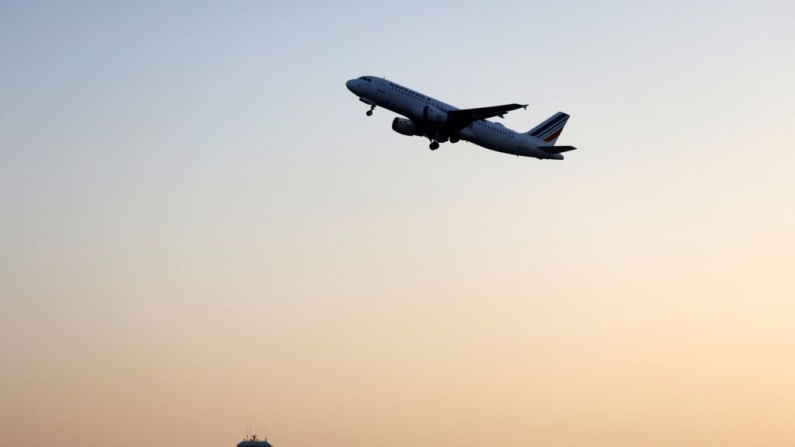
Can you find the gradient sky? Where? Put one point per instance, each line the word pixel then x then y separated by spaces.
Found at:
pixel 201 230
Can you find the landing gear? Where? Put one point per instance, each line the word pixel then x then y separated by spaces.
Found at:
pixel 370 112
pixel 434 145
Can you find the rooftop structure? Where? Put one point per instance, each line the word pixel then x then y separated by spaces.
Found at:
pixel 252 441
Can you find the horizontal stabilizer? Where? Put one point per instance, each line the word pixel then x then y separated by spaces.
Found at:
pixel 557 149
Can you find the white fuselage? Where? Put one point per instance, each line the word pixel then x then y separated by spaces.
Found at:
pixel 410 103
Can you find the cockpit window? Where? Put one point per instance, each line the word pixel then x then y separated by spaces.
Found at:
pixel 365 78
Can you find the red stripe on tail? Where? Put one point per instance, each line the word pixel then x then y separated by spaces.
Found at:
pixel 553 136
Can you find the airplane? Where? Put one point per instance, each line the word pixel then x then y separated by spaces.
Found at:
pixel 441 122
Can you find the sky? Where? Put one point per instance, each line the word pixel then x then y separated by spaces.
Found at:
pixel 200 229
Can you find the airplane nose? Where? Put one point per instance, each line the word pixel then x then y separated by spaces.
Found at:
pixel 350 85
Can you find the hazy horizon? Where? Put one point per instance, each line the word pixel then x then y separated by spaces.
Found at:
pixel 202 231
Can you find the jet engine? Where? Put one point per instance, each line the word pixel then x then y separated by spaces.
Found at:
pixel 405 127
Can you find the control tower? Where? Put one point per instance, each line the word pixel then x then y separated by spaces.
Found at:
pixel 252 441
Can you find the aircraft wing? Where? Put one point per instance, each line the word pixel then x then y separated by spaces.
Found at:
pixel 465 117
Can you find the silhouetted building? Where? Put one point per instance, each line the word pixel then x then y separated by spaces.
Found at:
pixel 254 442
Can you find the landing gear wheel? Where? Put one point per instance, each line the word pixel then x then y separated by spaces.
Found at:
pixel 369 113
pixel 434 146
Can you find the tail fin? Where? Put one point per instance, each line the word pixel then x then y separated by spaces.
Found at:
pixel 550 130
